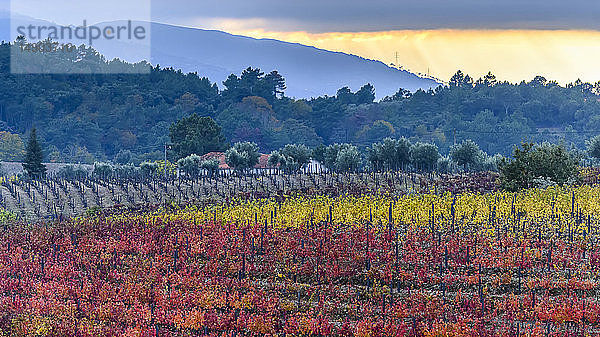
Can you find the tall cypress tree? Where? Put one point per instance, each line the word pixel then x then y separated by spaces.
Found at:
pixel 34 157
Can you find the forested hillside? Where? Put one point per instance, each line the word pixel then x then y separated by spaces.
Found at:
pixel 83 118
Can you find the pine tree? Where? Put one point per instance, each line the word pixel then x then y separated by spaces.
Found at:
pixel 34 157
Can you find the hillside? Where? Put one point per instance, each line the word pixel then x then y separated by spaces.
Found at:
pixel 310 72
pixel 84 118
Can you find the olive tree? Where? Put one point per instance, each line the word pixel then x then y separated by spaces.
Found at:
pixel 190 165
pixel 467 154
pixel 102 170
pixel 128 170
pixel 242 156
pixel 331 155
pixel 390 154
pixel 593 147
pixel 211 166
pixel 291 158
pixel 424 156
pixel 348 159
pixel 71 172
pixel 149 168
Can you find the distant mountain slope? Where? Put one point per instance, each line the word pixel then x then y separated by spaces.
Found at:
pixel 309 71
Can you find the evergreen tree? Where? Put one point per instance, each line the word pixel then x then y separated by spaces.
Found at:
pixel 196 135
pixel 34 157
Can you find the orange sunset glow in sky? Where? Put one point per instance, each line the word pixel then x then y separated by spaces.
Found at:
pixel 514 39
pixel 512 55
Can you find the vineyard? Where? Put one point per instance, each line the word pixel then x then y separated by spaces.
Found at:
pixel 496 264
pixel 55 198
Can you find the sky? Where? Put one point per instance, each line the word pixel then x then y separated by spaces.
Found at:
pixel 514 39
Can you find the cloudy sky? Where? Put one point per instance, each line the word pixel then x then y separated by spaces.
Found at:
pixel 320 16
pixel 515 39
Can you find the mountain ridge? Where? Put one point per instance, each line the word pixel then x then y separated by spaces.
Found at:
pixel 309 71
pixel 301 65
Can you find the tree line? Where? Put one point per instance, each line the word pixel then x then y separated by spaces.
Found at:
pixel 531 165
pixel 126 118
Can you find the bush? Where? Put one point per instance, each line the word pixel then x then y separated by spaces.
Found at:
pixel 102 170
pixel 242 156
pixel 552 163
pixel 424 156
pixel 190 165
pixel 72 172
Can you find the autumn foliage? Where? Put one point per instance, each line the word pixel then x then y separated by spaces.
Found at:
pixel 499 264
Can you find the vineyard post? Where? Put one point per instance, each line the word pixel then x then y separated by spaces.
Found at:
pixel 167 146
pixel 572 202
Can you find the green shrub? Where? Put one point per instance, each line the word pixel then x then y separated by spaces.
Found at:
pixel 531 163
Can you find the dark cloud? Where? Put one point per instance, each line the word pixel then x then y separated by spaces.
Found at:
pixel 377 15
